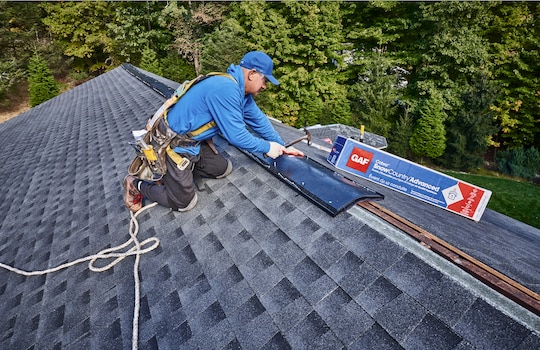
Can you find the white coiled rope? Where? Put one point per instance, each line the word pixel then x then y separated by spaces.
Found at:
pixel 137 249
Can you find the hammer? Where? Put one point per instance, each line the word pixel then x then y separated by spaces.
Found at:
pixel 307 137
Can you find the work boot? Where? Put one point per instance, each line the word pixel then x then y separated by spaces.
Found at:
pixel 132 197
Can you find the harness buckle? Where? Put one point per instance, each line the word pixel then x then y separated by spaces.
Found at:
pixel 184 164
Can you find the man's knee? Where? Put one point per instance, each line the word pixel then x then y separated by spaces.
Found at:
pixel 213 166
pixel 190 205
pixel 228 170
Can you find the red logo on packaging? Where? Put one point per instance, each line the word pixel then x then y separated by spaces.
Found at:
pixel 359 159
pixel 471 198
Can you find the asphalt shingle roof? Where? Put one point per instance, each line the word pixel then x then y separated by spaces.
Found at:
pixel 254 266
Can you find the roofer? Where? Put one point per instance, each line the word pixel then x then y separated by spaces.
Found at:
pixel 227 100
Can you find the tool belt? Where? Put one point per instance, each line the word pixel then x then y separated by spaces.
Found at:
pixel 163 140
pixel 150 164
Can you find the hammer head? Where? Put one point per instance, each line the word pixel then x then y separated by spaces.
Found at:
pixel 308 136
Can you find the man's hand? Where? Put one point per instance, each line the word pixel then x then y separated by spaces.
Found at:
pixel 293 151
pixel 275 150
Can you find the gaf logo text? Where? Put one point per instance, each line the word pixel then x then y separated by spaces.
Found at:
pixel 359 159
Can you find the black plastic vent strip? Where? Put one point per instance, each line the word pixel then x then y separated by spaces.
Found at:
pixel 159 87
pixel 327 189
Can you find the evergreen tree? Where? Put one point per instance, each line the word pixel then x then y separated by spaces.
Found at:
pixel 312 110
pixel 428 137
pixel 375 94
pixel 224 46
pixel 175 68
pixel 20 28
pixel 469 132
pixel 305 40
pixel 519 162
pixel 453 60
pixel 398 142
pixel 9 77
pixel 150 62
pixel 376 72
pixel 515 47
pixel 42 86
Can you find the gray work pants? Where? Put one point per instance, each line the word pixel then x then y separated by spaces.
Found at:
pixel 177 188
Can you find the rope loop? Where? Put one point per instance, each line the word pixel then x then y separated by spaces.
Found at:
pixel 117 253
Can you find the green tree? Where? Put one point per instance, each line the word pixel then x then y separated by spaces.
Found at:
pixel 519 162
pixel 401 134
pixel 377 70
pixel 515 49
pixel 10 75
pixel 452 49
pixel 190 22
pixel 150 61
pixel 136 25
pixel 375 94
pixel 174 67
pixel 428 137
pixel 82 29
pixel 41 83
pixel 305 40
pixel 20 28
pixel 20 31
pixel 453 59
pixel 469 132
pixel 224 46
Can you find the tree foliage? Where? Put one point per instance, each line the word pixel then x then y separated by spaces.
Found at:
pixel 375 94
pixel 469 131
pixel 338 62
pixel 304 39
pixel 137 25
pixel 519 162
pixel 189 23
pixel 150 61
pixel 20 29
pixel 10 75
pixel 224 46
pixel 515 49
pixel 41 83
pixel 175 68
pixel 401 133
pixel 428 137
pixel 82 29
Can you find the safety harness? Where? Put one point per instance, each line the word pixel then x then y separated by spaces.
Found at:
pixel 160 140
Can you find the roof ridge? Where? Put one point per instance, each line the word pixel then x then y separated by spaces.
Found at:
pixel 156 85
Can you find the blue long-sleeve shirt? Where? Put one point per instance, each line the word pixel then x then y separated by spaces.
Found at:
pixel 223 100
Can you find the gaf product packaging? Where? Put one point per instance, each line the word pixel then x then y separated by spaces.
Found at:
pixel 410 178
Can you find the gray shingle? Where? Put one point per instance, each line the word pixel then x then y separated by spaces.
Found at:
pixel 431 333
pixel 412 275
pixel 492 329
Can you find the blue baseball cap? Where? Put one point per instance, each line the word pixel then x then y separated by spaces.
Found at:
pixel 261 62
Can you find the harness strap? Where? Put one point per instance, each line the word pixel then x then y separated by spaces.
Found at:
pixel 181 162
pixel 178 93
pixel 183 88
pixel 162 111
pixel 153 124
pixel 202 129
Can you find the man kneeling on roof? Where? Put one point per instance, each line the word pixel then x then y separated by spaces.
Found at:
pixel 227 100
